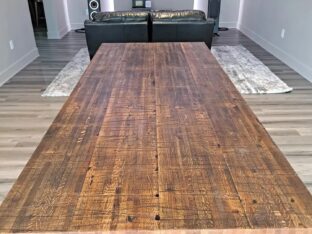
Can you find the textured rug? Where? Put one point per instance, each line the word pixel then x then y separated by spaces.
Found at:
pixel 249 74
pixel 65 82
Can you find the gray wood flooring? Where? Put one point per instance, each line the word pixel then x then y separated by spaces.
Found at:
pixel 25 115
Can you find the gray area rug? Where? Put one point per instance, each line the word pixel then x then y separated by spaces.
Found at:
pixel 249 74
pixel 65 82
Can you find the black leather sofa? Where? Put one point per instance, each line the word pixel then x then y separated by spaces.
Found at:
pixel 182 26
pixel 155 26
pixel 110 27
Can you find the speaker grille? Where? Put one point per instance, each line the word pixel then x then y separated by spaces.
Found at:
pixel 94 7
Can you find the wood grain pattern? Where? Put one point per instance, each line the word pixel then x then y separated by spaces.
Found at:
pixel 170 144
pixel 202 231
pixel 25 116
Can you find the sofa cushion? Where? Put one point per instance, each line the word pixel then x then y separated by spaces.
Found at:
pixel 178 16
pixel 121 16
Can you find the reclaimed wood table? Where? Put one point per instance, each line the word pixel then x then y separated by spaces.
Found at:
pixel 156 137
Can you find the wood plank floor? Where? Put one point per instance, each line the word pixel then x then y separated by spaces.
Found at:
pixel 25 116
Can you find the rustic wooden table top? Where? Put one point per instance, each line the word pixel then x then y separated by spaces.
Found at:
pixel 155 136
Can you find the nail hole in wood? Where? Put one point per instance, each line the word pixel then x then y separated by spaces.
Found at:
pixel 91 181
pixel 157 217
pixel 118 190
pixel 130 218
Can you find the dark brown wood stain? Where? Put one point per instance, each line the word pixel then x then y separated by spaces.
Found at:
pixel 108 152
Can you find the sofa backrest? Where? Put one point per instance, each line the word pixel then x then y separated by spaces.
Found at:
pixel 178 16
pixel 121 17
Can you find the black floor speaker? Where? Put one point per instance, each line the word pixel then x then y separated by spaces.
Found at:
pixel 214 8
pixel 94 7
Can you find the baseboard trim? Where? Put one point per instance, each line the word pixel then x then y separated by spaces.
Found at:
pixel 229 24
pixel 21 63
pixel 64 31
pixel 288 59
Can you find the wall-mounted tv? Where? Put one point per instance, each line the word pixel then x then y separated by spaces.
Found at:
pixel 138 3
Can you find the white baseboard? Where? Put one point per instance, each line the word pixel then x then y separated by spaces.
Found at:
pixel 228 24
pixel 59 34
pixel 18 65
pixel 287 58
pixel 64 31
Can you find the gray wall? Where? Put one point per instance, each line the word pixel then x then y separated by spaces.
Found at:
pixel 201 5
pixel 229 11
pixel 107 5
pixel 263 21
pixel 121 5
pixel 173 4
pixel 57 18
pixel 18 29
pixel 77 13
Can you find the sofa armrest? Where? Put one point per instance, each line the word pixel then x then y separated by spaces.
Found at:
pixel 101 32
